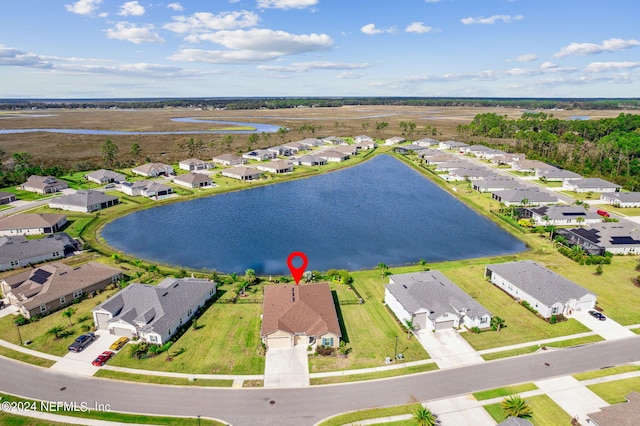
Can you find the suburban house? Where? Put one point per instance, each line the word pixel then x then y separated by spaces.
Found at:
pixel 455 163
pixel 32 224
pixel 362 138
pixel 299 315
pixel 409 149
pixel 621 414
pixel 482 151
pixel 562 215
pixel 431 302
pixel 530 166
pixel 311 160
pixel 590 185
pixel 365 145
pixel 556 175
pixel 259 155
pixel 153 170
pixel 507 158
pixel 469 173
pixel 281 150
pixel 439 159
pixel 242 173
pixel 102 177
pixel 193 180
pixel 194 164
pixel 333 156
pixel 454 145
pixel 84 201
pixel 347 149
pixel 153 313
pixel 525 196
pixel 497 183
pixel 311 142
pixel 7 197
pixel 429 152
pixel 146 188
pixel 621 199
pixel 427 142
pixel 228 160
pixel 614 237
pixel 394 140
pixel 294 147
pixel 333 140
pixel 546 292
pixel 44 184
pixel 53 286
pixel 277 166
pixel 16 252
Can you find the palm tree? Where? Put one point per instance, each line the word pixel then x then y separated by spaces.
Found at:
pixel 68 313
pixel 56 331
pixel 282 133
pixel 515 406
pixel 409 325
pixel 116 257
pixel 424 417
pixel 383 269
pixel 497 323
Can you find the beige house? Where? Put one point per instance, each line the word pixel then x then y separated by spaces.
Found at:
pixel 193 180
pixel 153 170
pixel 54 286
pixel 44 184
pixel 192 164
pixel 32 224
pixel 228 160
pixel 242 173
pixel 299 315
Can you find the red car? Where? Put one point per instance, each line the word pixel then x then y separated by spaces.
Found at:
pixel 102 358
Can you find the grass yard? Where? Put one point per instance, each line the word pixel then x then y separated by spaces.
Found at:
pixel 227 342
pixel 548 184
pixel 377 375
pixel 373 413
pixel 622 211
pixel 603 372
pixel 506 391
pixel 582 196
pixel 21 356
pixel 614 392
pixel 511 352
pixel 162 380
pixel 26 195
pixel 545 412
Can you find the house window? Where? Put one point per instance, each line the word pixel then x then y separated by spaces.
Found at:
pixel 15 263
pixel 483 320
pixel 554 310
pixel 43 308
pixel 77 294
pixel 63 300
pixel 327 341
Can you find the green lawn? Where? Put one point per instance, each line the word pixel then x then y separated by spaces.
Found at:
pixel 377 375
pixel 373 413
pixel 505 391
pixel 162 380
pixel 21 356
pixel 614 392
pixel 25 195
pixel 626 211
pixel 603 372
pixel 547 184
pixel 545 412
pixel 511 352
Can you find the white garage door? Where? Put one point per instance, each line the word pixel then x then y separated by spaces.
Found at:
pixel 120 331
pixel 583 306
pixel 279 342
pixel 445 325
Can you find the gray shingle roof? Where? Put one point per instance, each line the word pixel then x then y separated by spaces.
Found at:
pixel 625 197
pixel 83 198
pixel 539 282
pixel 19 248
pixel 594 183
pixel 534 195
pixel 155 308
pixel 565 212
pixel 433 291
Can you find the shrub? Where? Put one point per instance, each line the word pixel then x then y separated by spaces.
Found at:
pixel 553 319
pixel 475 330
pixel 325 350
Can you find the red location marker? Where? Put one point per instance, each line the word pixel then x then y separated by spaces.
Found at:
pixel 296 272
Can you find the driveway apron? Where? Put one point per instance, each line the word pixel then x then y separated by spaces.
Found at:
pixel 448 349
pixel 286 367
pixel 607 329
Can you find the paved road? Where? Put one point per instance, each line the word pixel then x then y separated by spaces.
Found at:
pixel 309 405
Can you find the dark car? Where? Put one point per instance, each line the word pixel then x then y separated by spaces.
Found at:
pixel 82 342
pixel 597 315
pixel 102 358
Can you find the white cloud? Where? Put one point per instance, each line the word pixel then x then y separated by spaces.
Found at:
pixel 131 8
pixel 611 45
pixel 529 57
pixel 492 19
pixel 548 65
pixel 349 75
pixel 205 21
pixel 10 56
pixel 418 27
pixel 83 7
pixel 596 67
pixel 312 66
pixel 432 1
pixel 286 4
pixel 253 45
pixel 175 6
pixel 135 34
pixel 370 29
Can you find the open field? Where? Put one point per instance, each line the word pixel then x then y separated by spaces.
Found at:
pixel 70 149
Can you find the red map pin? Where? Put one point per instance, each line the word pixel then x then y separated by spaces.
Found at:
pixel 296 272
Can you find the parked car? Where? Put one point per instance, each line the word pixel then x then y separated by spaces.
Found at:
pixel 597 315
pixel 118 344
pixel 102 358
pixel 110 185
pixel 82 342
pixel 1 304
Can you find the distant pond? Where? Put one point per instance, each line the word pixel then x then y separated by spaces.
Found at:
pixel 378 211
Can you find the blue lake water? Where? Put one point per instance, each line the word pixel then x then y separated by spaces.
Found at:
pixel 259 128
pixel 355 218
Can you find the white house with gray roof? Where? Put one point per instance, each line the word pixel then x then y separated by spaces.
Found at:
pixel 432 302
pixel 524 196
pixel 562 215
pixel 153 313
pixel 103 176
pixel 590 185
pixel 621 199
pixel 146 188
pixel 495 183
pixel 556 175
pixel 615 237
pixel 154 170
pixel 546 292
pixel 84 201
pixel 17 252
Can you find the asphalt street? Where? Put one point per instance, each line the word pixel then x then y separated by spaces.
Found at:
pixel 307 406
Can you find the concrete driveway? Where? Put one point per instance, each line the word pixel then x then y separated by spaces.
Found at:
pixel 573 397
pixel 608 329
pixel 79 363
pixel 460 410
pixel 286 367
pixel 448 349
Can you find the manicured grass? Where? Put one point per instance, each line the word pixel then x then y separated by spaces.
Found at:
pixel 582 196
pixel 373 413
pixel 21 356
pixel 162 380
pixel 511 352
pixel 548 184
pixel 545 412
pixel 16 420
pixel 377 375
pixel 614 392
pixel 505 391
pixel 636 330
pixel 110 416
pixel 575 342
pixel 227 342
pixel 603 372
pixel 623 211
pixel 36 331
pixel 26 195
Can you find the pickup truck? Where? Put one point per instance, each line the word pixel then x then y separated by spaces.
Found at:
pixel 82 342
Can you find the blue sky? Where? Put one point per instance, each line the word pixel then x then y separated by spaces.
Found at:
pixel 210 48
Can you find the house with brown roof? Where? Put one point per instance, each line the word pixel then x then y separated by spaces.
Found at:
pixel 299 315
pixel 7 197
pixel 333 156
pixel 53 286
pixel 44 184
pixel 277 166
pixel 622 414
pixel 32 224
pixel 242 173
pixel 193 180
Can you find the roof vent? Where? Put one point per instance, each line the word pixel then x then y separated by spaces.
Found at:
pixel 165 293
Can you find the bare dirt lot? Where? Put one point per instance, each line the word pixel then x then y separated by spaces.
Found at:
pixel 67 150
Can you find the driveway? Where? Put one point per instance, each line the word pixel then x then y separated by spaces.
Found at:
pixel 608 329
pixel 460 410
pixel 286 367
pixel 79 363
pixel 448 349
pixel 573 397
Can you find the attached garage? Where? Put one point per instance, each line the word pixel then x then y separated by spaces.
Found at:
pixel 121 331
pixel 101 320
pixel 279 342
pixel 445 325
